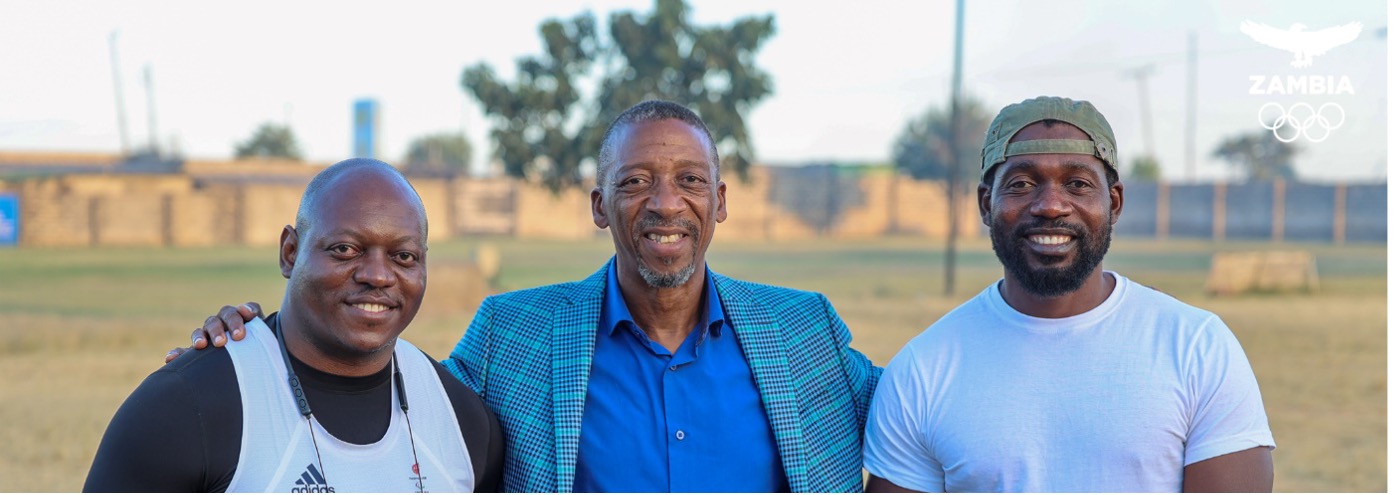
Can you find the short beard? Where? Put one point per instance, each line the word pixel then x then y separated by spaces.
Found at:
pixel 672 279
pixel 1010 247
pixel 668 280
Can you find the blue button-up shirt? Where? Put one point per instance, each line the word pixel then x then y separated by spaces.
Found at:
pixel 686 421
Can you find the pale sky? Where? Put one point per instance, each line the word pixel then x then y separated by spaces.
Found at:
pixel 847 75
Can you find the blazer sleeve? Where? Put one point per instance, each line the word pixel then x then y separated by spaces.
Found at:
pixel 469 361
pixel 862 375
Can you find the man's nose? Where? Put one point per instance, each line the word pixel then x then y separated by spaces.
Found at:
pixel 665 199
pixel 375 269
pixel 1050 202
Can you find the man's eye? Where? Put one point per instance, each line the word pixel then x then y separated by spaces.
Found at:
pixel 406 257
pixel 343 249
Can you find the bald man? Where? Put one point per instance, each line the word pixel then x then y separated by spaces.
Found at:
pixel 319 400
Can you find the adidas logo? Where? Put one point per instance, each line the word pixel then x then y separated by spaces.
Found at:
pixel 311 481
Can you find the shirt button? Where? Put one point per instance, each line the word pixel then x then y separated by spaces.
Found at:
pixel 673 368
pixel 679 435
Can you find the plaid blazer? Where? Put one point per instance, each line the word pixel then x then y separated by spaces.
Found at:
pixel 529 353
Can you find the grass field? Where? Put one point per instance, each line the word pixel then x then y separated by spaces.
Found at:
pixel 79 329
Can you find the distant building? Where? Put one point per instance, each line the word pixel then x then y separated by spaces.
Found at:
pixel 366 128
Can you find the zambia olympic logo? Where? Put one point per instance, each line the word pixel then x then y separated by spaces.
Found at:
pixel 1301 118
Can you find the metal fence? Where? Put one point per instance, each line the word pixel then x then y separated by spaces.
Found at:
pixel 1279 211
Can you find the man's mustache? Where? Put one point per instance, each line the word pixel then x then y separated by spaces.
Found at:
pixel 652 221
pixel 1057 224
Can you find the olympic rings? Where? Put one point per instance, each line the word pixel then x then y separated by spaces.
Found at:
pixel 1302 118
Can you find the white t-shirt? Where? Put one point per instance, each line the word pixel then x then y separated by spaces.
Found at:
pixel 1116 399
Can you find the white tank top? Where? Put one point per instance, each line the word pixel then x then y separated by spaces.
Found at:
pixel 277 455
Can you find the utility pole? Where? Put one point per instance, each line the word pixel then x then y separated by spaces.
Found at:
pixel 1141 76
pixel 150 104
pixel 120 95
pixel 1190 120
pixel 952 182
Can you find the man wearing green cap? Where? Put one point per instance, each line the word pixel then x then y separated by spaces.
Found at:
pixel 1063 376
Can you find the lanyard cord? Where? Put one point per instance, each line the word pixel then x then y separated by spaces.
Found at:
pixel 298 395
pixel 402 401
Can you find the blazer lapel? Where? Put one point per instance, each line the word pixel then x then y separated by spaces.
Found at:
pixel 764 349
pixel 574 344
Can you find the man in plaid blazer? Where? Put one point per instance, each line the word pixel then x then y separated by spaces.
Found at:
pixel 532 354
pixel 529 353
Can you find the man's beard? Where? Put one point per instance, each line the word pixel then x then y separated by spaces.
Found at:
pixel 676 278
pixel 1011 248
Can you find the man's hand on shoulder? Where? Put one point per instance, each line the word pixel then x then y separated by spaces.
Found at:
pixel 217 329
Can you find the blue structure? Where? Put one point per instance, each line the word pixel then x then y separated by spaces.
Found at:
pixel 9 219
pixel 365 128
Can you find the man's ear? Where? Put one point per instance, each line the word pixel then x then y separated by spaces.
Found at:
pixel 1117 201
pixel 721 202
pixel 598 211
pixel 985 195
pixel 290 242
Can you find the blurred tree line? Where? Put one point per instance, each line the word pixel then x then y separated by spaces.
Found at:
pixel 1259 155
pixel 446 152
pixel 269 141
pixel 923 149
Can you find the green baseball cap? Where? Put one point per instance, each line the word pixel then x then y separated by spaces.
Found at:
pixel 1015 117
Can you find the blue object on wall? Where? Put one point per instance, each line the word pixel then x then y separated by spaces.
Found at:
pixel 365 128
pixel 9 219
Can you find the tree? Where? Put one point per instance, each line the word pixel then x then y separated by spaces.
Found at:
pixel 531 117
pixel 443 152
pixel 923 148
pixel 545 128
pixel 269 141
pixel 1259 155
pixel 1145 168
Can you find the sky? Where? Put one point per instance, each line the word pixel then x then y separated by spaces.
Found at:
pixel 848 75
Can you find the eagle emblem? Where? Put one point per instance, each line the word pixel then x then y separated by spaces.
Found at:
pixel 1304 44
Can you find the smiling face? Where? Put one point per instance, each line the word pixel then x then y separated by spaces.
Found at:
pixel 1050 215
pixel 356 268
pixel 661 198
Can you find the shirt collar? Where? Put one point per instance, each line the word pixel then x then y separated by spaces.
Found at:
pixel 614 311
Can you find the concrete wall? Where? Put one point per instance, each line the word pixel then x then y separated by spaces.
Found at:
pixel 483 206
pixel 218 206
pixel 540 214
